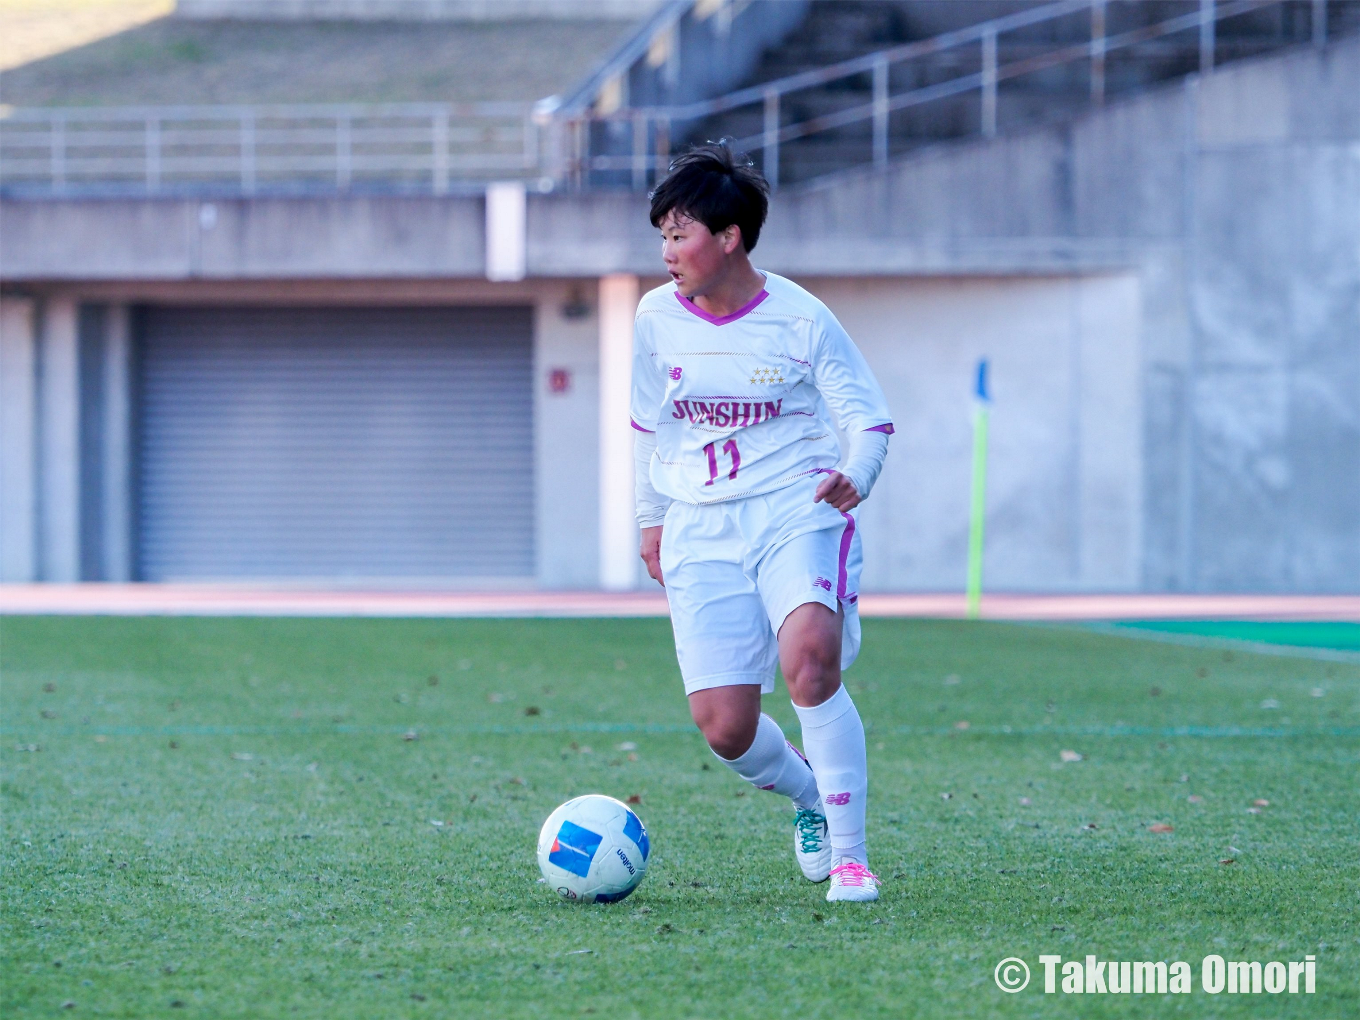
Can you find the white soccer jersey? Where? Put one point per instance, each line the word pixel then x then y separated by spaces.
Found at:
pixel 742 405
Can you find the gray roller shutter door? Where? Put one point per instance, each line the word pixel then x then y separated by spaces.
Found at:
pixel 336 443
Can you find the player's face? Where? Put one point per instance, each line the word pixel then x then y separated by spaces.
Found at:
pixel 694 256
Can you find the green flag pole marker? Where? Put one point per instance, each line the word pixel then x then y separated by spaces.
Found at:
pixel 979 502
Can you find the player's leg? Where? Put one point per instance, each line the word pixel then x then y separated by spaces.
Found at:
pixel 772 763
pixel 809 581
pixel 833 734
pixel 727 653
pixel 731 718
pixel 751 744
pixel 726 649
pixel 833 739
pixel 728 717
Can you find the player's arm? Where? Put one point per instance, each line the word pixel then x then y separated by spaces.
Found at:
pixel 849 487
pixel 848 385
pixel 649 389
pixel 651 505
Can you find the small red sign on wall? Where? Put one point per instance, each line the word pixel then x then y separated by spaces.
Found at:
pixel 559 380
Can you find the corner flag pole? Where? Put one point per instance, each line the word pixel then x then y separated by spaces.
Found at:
pixel 979 502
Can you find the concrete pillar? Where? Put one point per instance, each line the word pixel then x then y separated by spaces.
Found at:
pixel 18 402
pixel 1109 418
pixel 506 239
pixel 116 451
pixel 618 523
pixel 91 326
pixel 58 420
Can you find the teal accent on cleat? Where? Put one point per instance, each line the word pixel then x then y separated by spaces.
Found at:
pixel 812 844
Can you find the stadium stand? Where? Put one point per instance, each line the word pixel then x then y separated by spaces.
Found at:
pixel 836 31
pixel 180 61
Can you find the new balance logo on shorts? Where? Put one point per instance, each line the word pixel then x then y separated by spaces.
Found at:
pixel 838 799
pixel 822 583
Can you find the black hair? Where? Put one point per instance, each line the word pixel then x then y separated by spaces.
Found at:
pixel 711 185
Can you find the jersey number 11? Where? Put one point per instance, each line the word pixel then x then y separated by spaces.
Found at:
pixel 729 448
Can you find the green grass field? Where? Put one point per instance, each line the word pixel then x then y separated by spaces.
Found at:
pixel 225 817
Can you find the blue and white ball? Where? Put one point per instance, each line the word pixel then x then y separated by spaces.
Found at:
pixel 593 849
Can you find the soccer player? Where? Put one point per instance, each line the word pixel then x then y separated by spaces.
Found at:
pixel 739 379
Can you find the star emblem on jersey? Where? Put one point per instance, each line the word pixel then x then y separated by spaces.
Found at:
pixel 767 376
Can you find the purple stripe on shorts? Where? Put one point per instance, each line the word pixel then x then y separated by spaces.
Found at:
pixel 638 427
pixel 842 580
pixel 887 429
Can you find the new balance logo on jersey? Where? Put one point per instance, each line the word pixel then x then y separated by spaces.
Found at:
pixel 727 413
pixel 838 799
pixel 822 583
pixel 675 373
pixel 767 376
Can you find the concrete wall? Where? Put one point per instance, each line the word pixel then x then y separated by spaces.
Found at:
pixel 295 238
pixel 566 325
pixel 1235 199
pixel 1065 468
pixel 18 440
pixel 65 451
pixel 57 421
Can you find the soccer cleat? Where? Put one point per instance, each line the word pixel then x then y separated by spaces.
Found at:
pixel 812 844
pixel 853 882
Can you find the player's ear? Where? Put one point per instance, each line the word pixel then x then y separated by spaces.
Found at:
pixel 731 237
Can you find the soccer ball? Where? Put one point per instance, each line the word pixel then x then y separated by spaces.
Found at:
pixel 593 849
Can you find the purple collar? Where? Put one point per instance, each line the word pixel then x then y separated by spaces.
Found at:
pixel 690 306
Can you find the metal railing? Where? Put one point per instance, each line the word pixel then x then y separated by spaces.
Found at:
pixel 438 149
pixel 638 141
pixel 427 147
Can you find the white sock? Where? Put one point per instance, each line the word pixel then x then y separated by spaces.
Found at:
pixel 772 763
pixel 833 738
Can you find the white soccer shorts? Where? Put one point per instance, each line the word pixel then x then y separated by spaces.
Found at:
pixel 735 570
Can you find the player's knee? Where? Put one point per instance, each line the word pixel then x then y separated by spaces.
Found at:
pixel 729 738
pixel 815 664
pixel 814 677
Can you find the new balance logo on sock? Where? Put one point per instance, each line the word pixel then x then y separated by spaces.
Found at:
pixel 839 799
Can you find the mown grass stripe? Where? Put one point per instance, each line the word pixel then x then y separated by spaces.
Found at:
pixel 1211 732
pixel 1136 633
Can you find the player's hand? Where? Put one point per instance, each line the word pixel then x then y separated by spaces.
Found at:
pixel 651 552
pixel 837 491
